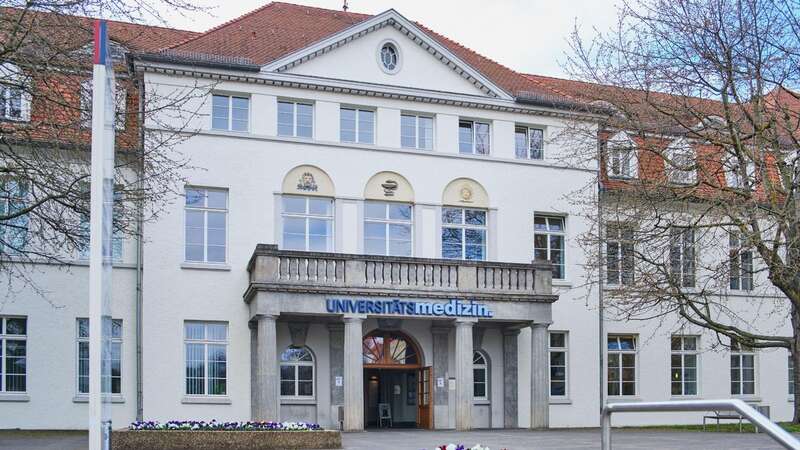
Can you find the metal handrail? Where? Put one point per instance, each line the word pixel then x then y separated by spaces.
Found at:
pixel 761 422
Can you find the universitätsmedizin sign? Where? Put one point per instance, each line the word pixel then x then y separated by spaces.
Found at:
pixel 453 308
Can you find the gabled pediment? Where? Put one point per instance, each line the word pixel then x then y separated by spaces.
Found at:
pixel 356 54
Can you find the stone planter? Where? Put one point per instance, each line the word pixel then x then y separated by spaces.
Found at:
pixel 223 440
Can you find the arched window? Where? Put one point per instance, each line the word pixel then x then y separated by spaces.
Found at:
pixel 480 377
pixel 297 373
pixel 387 348
pixel 680 162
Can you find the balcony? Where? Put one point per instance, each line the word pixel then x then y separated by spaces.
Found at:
pixel 291 271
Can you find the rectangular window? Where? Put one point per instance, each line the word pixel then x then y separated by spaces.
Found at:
pixel 741 263
pixel 464 233
pixel 112 382
pixel 683 360
pixel 529 142
pixel 388 228
pixel 206 225
pixel 13 232
pixel 681 256
pixel 622 365
pixel 206 358
pixel 558 364
pixel 416 131
pixel 548 242
pixel 230 113
pixel 473 137
pixel 619 254
pixel 743 370
pixel 307 223
pixel 295 119
pixel 13 354
pixel 357 125
pixel 10 103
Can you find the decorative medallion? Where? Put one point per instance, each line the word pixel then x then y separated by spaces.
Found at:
pixel 466 194
pixel 307 183
pixel 389 186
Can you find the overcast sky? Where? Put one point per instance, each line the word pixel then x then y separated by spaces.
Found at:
pixel 526 35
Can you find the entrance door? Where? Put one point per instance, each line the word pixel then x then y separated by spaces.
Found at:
pixel 424 400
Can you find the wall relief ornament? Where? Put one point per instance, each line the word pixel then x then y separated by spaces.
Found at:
pixel 466 193
pixel 307 183
pixel 389 187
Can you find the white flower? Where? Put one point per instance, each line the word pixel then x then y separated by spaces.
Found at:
pixel 451 447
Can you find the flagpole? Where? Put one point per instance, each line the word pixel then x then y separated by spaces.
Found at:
pixel 101 207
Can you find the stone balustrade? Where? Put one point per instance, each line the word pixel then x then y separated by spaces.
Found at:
pixel 299 271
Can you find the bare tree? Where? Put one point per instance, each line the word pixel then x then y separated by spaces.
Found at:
pixel 699 166
pixel 45 114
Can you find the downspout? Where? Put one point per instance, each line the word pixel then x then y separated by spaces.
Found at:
pixel 600 309
pixel 139 252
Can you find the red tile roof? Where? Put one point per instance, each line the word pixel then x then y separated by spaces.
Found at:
pixel 278 29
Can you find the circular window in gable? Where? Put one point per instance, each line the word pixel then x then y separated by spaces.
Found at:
pixel 389 57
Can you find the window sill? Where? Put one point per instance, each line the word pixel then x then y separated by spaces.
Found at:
pixel 623 399
pixel 11 397
pixel 561 283
pixel 206 400
pixel 685 397
pixel 112 399
pixel 790 399
pixel 205 266
pixel 747 398
pixel 560 401
pixel 298 401
pixel 481 402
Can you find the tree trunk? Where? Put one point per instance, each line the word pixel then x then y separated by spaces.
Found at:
pixel 795 354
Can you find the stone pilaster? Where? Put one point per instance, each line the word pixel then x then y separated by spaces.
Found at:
pixel 441 343
pixel 540 389
pixel 510 376
pixel 464 381
pixel 336 354
pixel 353 374
pixel 265 391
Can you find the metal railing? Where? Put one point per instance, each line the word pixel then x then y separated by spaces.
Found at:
pixel 761 422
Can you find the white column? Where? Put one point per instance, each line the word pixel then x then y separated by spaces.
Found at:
pixel 464 381
pixel 266 385
pixel 540 389
pixel 353 374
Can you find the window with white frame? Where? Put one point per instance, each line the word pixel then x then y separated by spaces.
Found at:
pixel 13 354
pixel 206 346
pixel 11 102
pixel 474 138
pixel 295 119
pixel 307 223
pixel 740 260
pixel 621 378
pixel 619 254
pixel 558 364
pixel 297 373
pixel 621 157
pixel 416 131
pixel 480 377
pixel 681 256
pixel 112 381
pixel 528 142
pixel 683 361
pixel 206 225
pixel 464 233
pixel 734 176
pixel 743 369
pixel 680 164
pixel 791 374
pixel 548 242
pixel 120 104
pixel 388 228
pixel 230 112
pixel 14 231
pixel 357 125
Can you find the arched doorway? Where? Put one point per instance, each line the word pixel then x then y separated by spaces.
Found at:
pixel 395 380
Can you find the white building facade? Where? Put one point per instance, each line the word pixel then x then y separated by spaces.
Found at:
pixel 361 232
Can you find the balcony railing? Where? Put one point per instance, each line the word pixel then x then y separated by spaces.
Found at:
pixel 288 270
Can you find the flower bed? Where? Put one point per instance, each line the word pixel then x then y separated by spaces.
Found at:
pixel 461 447
pixel 199 435
pixel 224 426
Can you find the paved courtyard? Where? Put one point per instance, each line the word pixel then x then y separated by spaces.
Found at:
pixel 497 440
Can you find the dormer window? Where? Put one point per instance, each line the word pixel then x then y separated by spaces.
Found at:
pixel 680 162
pixel 734 177
pixel 14 100
pixel 621 156
pixel 10 103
